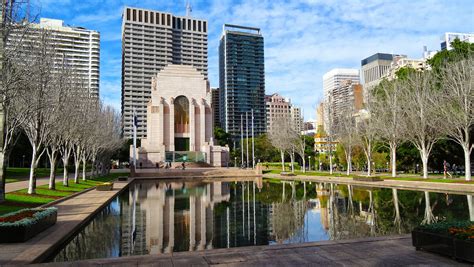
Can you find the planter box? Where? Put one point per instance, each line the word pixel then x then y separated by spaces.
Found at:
pixel 105 187
pixel 367 178
pixel 443 244
pixel 464 250
pixel 27 228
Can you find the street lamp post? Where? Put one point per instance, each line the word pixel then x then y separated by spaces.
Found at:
pixel 309 163
pixel 23 164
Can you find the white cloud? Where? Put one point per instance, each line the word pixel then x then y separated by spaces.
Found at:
pixel 303 38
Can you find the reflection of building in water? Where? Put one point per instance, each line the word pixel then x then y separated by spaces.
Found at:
pixel 164 212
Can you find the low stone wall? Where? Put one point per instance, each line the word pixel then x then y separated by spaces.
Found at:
pixel 203 172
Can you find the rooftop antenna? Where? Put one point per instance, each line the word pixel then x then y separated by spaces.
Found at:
pixel 189 9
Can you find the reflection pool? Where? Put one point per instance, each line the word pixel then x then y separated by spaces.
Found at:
pixel 153 217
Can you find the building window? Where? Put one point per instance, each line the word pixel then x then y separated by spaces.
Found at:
pixel 134 15
pixel 146 16
pixel 169 20
pixel 204 26
pixel 194 25
pixel 140 16
pixel 199 26
pixel 128 14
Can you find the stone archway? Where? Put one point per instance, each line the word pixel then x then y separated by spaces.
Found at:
pixel 181 123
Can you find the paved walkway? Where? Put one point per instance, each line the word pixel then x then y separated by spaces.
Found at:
pixel 72 214
pixel 386 251
pixel 400 184
pixel 15 186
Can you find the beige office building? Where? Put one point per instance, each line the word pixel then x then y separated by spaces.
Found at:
pixel 279 107
pixel 150 41
pixel 77 47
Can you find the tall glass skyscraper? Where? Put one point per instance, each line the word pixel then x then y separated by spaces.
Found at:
pixel 241 78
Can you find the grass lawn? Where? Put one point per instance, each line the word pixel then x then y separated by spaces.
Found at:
pixel 438 180
pixel 433 178
pixel 20 199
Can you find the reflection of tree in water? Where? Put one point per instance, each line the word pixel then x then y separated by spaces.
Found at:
pixel 288 216
pixel 99 239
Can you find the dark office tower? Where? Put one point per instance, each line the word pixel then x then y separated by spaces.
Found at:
pixel 215 107
pixel 150 41
pixel 241 78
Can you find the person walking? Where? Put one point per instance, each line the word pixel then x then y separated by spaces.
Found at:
pixel 446 168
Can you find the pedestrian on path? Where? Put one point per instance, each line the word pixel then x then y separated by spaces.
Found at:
pixel 446 167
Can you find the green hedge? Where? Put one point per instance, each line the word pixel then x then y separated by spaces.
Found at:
pixel 38 215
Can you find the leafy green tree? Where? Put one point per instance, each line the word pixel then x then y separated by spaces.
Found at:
pixel 222 138
pixel 461 50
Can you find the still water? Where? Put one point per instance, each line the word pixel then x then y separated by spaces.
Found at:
pixel 152 217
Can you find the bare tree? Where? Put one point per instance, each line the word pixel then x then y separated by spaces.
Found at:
pixel 457 101
pixel 278 137
pixel 389 118
pixel 422 102
pixel 39 97
pixel 345 134
pixel 366 134
pixel 10 77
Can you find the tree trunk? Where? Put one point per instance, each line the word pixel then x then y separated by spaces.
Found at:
pixel 2 172
pixel 397 219
pixel 2 151
pixel 52 171
pixel 304 165
pixel 429 217
pixel 467 162
pixel 65 172
pixel 330 160
pixel 349 162
pixel 32 182
pixel 393 158
pixel 77 164
pixel 282 153
pixel 424 160
pixel 83 168
pixel 470 205
pixel 292 157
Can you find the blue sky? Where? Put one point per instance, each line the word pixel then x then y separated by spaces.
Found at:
pixel 303 39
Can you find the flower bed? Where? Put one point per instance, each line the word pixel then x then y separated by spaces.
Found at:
pixel 105 187
pixel 367 178
pixel 454 239
pixel 287 174
pixel 24 224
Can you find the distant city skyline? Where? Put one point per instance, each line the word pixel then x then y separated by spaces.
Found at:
pixel 303 39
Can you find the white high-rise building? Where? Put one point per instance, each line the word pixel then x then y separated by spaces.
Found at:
pixel 449 37
pixel 333 80
pixel 152 40
pixel 79 47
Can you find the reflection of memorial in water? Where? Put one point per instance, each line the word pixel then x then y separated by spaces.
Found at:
pixel 161 213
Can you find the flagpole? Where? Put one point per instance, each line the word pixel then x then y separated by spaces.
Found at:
pixel 242 139
pixel 134 138
pixel 253 145
pixel 247 141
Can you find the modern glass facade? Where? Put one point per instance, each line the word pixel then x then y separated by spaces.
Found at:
pixel 241 78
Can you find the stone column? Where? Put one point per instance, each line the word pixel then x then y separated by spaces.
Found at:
pixel 161 128
pixel 202 121
pixel 192 126
pixel 171 145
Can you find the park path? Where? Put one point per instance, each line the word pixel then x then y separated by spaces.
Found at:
pixel 460 188
pixel 378 251
pixel 72 214
pixel 15 186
